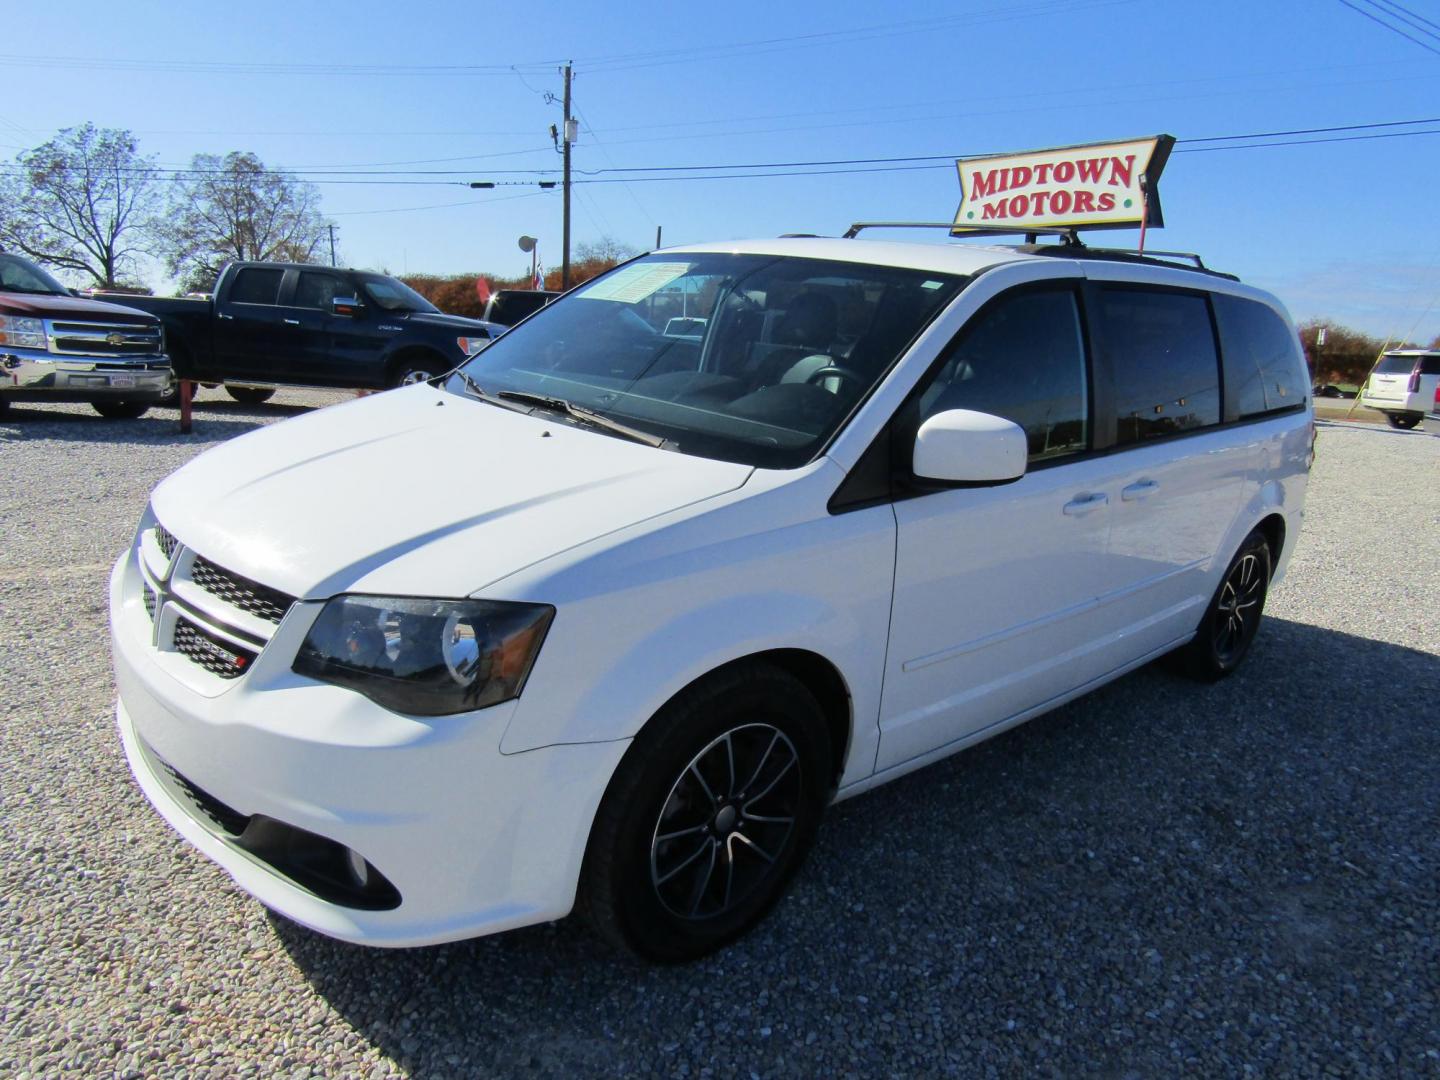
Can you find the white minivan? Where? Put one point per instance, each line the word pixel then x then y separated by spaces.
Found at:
pixel 608 616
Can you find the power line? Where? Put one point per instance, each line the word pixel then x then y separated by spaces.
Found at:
pixel 1405 15
pixel 435 206
pixel 1392 29
pixel 600 64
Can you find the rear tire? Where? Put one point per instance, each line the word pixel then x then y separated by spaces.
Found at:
pixel 1403 421
pixel 250 395
pixel 120 410
pixel 709 815
pixel 1230 622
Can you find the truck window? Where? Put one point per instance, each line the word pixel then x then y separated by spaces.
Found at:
pixel 1263 368
pixel 317 290
pixel 256 285
pixel 1161 347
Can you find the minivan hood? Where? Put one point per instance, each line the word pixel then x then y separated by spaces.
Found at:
pixel 418 492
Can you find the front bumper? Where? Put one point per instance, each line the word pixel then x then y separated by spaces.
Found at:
pixel 473 841
pixel 34 375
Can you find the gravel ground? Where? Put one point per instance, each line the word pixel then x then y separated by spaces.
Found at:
pixel 1159 878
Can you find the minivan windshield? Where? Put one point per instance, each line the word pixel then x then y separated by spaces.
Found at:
pixel 757 359
pixel 23 276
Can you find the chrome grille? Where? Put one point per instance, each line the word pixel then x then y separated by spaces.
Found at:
pixel 259 600
pixel 104 339
pixel 221 658
pixel 165 540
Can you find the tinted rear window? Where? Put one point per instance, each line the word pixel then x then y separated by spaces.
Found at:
pixel 1395 365
pixel 1264 371
pixel 1430 365
pixel 1161 347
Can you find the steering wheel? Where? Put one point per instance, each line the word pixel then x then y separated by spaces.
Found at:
pixel 835 371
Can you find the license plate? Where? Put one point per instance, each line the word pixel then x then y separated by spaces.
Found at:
pixel 122 380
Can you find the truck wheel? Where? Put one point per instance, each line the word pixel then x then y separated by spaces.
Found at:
pixel 250 395
pixel 120 410
pixel 709 815
pixel 418 368
pixel 1403 421
pixel 171 399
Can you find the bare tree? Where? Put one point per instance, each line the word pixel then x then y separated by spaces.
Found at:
pixel 81 202
pixel 234 208
pixel 605 250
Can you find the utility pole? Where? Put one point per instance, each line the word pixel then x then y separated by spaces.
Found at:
pixel 332 243
pixel 569 138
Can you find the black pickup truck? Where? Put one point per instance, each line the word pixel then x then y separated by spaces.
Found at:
pixel 294 324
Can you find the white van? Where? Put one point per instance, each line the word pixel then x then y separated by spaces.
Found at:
pixel 1404 386
pixel 612 613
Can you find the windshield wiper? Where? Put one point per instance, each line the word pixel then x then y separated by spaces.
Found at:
pixel 584 415
pixel 476 391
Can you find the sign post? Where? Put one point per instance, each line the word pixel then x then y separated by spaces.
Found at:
pixel 1093 186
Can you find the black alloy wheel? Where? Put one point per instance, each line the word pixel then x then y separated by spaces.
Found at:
pixel 709 815
pixel 1230 622
pixel 728 816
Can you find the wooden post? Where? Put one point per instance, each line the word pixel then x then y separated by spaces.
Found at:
pixel 187 391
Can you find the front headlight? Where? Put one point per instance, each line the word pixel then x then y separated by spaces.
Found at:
pixel 425 657
pixel 22 333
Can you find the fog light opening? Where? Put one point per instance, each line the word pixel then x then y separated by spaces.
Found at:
pixel 359 868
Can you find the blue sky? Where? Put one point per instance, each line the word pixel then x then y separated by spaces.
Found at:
pixel 1342 229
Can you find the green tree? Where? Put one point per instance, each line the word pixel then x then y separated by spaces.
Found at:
pixel 236 209
pixel 82 203
pixel 1347 355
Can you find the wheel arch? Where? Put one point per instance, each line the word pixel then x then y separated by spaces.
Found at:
pixel 409 353
pixel 1273 527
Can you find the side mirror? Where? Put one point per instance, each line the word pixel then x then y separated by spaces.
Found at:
pixel 959 446
pixel 349 306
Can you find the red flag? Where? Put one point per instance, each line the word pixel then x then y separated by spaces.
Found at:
pixel 482 290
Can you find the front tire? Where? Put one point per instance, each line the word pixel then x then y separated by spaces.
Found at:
pixel 250 395
pixel 1230 622
pixel 1403 421
pixel 709 815
pixel 120 410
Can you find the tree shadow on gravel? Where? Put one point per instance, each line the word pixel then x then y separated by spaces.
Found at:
pixel 1160 877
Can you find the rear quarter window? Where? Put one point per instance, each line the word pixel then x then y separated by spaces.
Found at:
pixel 1264 370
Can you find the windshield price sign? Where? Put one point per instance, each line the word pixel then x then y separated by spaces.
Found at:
pixel 1096 186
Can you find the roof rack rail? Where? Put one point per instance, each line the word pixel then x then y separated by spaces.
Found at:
pixel 1154 253
pixel 1069 235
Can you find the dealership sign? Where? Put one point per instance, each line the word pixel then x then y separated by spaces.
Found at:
pixel 1097 186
